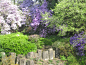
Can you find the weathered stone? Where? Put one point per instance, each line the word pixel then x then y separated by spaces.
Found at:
pixel 50 51
pixel 44 63
pixel 22 61
pixel 18 58
pixel 12 57
pixel 35 55
pixel 3 54
pixel 53 54
pixel 30 55
pixel 50 64
pixel 39 53
pixel 45 55
pixel 3 57
pixel 29 62
pixel 57 53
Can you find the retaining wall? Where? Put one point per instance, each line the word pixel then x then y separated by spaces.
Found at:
pixel 26 60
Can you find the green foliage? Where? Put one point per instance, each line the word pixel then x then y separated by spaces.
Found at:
pixel 64 47
pixel 37 40
pixel 69 15
pixel 71 60
pixel 18 43
pixel 63 57
pixel 46 41
pixel 75 60
pixel 53 38
pixel 82 60
pixel 51 3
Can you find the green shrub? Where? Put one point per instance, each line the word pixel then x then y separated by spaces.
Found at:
pixel 18 43
pixel 71 60
pixel 37 40
pixel 82 60
pixel 69 16
pixel 33 38
pixel 46 41
pixel 51 3
pixel 64 47
pixel 63 57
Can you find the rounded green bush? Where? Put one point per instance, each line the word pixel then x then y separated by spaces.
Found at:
pixel 18 43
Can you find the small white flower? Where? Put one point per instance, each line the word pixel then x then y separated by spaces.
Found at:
pixel 45 18
pixel 19 24
pixel 8 32
pixel 14 26
pixel 18 35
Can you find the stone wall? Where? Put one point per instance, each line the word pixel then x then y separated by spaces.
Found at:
pixel 26 60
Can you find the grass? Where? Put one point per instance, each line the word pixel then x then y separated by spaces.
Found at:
pixel 50 61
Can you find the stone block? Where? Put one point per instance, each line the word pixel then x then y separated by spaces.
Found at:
pixel 29 62
pixel 39 53
pixel 18 58
pixel 30 55
pixel 45 55
pixel 57 53
pixel 12 57
pixel 35 55
pixel 50 51
pixel 53 54
pixel 22 61
pixel 3 57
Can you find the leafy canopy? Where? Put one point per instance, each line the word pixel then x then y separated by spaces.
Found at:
pixel 69 15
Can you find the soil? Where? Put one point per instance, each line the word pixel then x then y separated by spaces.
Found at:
pixel 55 61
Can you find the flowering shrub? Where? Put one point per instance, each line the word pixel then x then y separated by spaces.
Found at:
pixel 35 12
pixel 10 16
pixel 78 41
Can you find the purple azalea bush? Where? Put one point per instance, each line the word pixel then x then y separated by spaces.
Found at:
pixel 78 41
pixel 13 16
pixel 35 12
